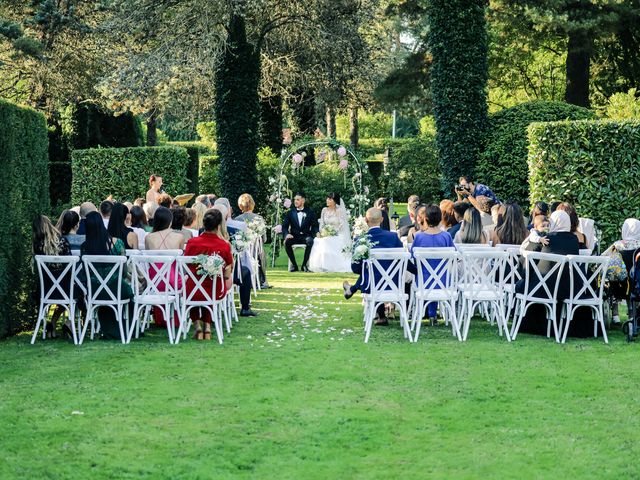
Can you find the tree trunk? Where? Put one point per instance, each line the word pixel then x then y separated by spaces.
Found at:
pixel 577 65
pixel 152 131
pixel 271 123
pixel 354 134
pixel 331 122
pixel 237 112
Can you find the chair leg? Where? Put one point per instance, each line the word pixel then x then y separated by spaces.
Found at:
pixel 72 321
pixel 516 324
pixel 455 325
pixel 567 323
pixel 468 312
pixel 217 322
pixel 368 321
pixel 404 319
pixel 600 313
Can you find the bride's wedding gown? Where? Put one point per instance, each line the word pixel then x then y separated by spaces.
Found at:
pixel 327 254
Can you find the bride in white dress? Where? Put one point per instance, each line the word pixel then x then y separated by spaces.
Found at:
pixel 327 254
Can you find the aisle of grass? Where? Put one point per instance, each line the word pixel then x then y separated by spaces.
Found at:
pixel 295 393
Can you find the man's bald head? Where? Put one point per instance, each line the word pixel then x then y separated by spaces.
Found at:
pixel 374 217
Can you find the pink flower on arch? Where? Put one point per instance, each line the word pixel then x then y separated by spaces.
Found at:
pixel 287 203
pixel 297 159
pixel 342 151
pixel 277 229
pixel 344 164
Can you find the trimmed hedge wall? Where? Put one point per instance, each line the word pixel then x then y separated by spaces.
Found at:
pixel 503 164
pixel 24 184
pixel 594 165
pixel 124 172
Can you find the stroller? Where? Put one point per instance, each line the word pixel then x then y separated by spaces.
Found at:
pixel 630 327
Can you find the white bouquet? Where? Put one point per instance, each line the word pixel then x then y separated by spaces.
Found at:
pixel 256 227
pixel 360 248
pixel 210 265
pixel 328 231
pixel 360 227
pixel 240 241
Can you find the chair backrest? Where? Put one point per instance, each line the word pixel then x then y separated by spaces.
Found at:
pixel 169 252
pixel 61 271
pixel 437 268
pixel 193 283
pixel 483 269
pixel 512 272
pixel 387 268
pixel 132 251
pixel 507 246
pixel 584 252
pixel 103 269
pixel 537 284
pixel 465 247
pixel 587 275
pixel 152 275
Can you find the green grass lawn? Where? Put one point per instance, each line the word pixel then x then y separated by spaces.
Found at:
pixel 295 393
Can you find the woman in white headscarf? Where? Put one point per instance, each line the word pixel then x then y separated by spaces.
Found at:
pixel 622 252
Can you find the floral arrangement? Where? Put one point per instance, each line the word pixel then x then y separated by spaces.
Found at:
pixel 360 227
pixel 256 227
pixel 328 231
pixel 210 265
pixel 240 241
pixel 361 248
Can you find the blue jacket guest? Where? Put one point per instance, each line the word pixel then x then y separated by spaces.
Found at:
pixel 300 226
pixel 381 239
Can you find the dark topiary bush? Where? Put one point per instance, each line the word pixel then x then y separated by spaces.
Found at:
pixel 503 164
pixel 594 165
pixel 24 184
pixel 124 172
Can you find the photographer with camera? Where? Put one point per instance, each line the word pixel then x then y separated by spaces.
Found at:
pixel 467 190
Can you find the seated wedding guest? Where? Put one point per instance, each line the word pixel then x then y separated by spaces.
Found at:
pixel 117 228
pixel 380 239
pixel 163 237
pixel 127 221
pixel 203 199
pixel 483 205
pixel 200 209
pixel 232 225
pixel 155 184
pixel 85 209
pixel 459 209
pixel 190 222
pixel 99 242
pixel 178 223
pixel 246 204
pixel 536 235
pixel 560 242
pixel 139 224
pixel 540 208
pixel 497 211
pixel 407 221
pixel 150 211
pixel 175 203
pixel 406 229
pixel 46 240
pixel 209 243
pixel 68 225
pixel 619 279
pixel 431 236
pixel 512 229
pixel 553 207
pixel 575 223
pixel 381 204
pixel 105 211
pixel 212 198
pixel 165 200
pixel 471 230
pixel 448 216
pixel 138 202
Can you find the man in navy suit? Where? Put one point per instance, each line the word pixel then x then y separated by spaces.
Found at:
pixel 380 239
pixel 300 227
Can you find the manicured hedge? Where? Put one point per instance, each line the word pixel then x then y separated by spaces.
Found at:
pixel 124 172
pixel 595 165
pixel 503 164
pixel 24 184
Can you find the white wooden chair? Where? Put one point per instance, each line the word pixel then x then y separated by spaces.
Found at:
pixel 588 272
pixel 115 265
pixel 436 283
pixel 296 247
pixel 541 289
pixel 61 271
pixel 192 287
pixel 512 275
pixel 153 287
pixel 472 247
pixel 386 269
pixel 483 286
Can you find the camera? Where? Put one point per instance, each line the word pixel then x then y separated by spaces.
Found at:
pixel 462 188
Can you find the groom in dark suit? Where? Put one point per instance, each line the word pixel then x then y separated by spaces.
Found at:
pixel 300 227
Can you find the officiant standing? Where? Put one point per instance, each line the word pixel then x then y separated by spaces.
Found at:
pixel 300 226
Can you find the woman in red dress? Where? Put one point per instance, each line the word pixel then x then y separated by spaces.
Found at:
pixel 209 243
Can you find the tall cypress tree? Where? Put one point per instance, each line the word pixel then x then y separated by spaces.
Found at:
pixel 458 43
pixel 237 112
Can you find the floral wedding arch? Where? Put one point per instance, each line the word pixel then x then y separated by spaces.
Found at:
pixel 326 150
